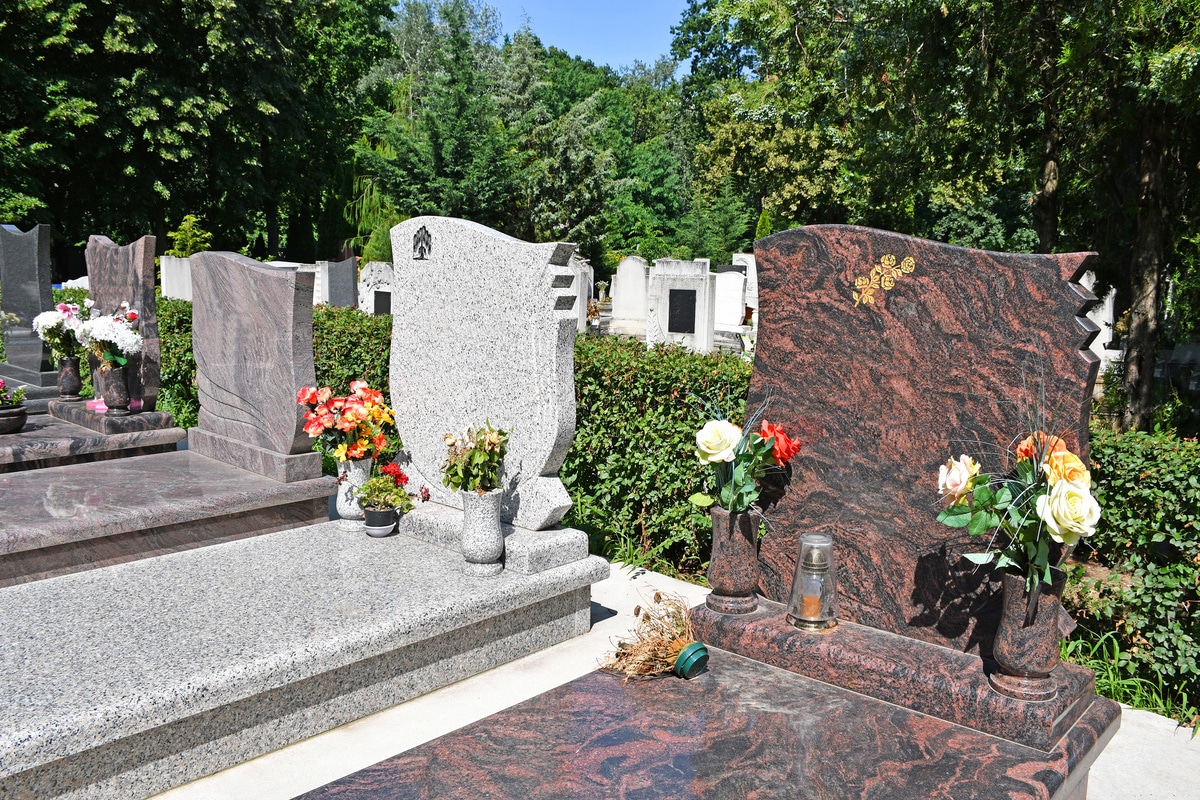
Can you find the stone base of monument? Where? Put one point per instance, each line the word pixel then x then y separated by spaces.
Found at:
pixel 48 441
pixel 127 680
pixel 66 519
pixel 78 413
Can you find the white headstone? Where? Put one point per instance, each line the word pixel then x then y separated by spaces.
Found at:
pixel 484 330
pixel 176 277
pixel 583 283
pixel 375 288
pixel 628 293
pixel 1102 314
pixel 730 303
pixel 680 304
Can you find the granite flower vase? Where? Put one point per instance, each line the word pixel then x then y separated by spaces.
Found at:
pixel 12 418
pixel 116 393
pixel 69 382
pixel 482 538
pixel 1026 648
pixel 379 522
pixel 733 571
pixel 352 474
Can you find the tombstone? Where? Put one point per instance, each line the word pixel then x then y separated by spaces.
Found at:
pixel 583 284
pixel 729 306
pixel 1102 316
pixel 375 288
pixel 249 365
pixel 176 277
pixel 629 297
pixel 680 304
pixel 484 330
pixel 747 261
pixel 126 274
pixel 886 355
pixel 25 281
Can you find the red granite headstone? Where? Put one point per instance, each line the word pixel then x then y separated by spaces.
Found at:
pixel 887 355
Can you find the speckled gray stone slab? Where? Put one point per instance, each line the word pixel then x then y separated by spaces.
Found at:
pixel 125 681
pixel 25 278
pixel 47 441
pixel 483 329
pixel 126 275
pixel 525 551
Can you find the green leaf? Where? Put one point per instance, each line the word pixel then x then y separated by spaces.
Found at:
pixel 955 516
pixel 702 500
pixel 980 558
pixel 978 524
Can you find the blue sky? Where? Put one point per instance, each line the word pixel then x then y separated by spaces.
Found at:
pixel 613 32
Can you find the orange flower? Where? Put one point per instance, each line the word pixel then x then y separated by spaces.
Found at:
pixel 784 447
pixel 1039 444
pixel 1064 465
pixel 306 396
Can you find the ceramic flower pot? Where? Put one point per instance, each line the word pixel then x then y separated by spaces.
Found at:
pixel 351 475
pixel 482 537
pixel 1026 648
pixel 69 381
pixel 12 418
pixel 379 522
pixel 116 393
pixel 733 571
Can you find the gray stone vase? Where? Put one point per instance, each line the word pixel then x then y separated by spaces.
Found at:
pixel 351 475
pixel 482 538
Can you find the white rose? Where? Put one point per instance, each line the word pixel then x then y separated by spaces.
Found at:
pixel 716 440
pixel 954 477
pixel 1069 511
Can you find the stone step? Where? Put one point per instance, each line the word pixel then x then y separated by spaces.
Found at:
pixel 48 441
pixel 80 516
pixel 126 680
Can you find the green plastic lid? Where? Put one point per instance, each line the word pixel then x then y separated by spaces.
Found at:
pixel 692 660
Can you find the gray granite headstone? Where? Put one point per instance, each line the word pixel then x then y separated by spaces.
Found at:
pixel 484 329
pixel 126 274
pixel 25 282
pixel 252 337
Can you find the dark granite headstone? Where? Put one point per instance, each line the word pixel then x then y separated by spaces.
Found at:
pixel 252 337
pixel 126 275
pixel 25 284
pixel 681 311
pixel 887 355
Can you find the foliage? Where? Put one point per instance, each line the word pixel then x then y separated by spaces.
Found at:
pixel 386 490
pixel 349 345
pixel 177 394
pixel 11 397
pixel 631 469
pixel 189 238
pixel 474 459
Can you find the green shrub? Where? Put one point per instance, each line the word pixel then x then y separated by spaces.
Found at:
pixel 631 467
pixel 1148 486
pixel 189 239
pixel 177 393
pixel 349 345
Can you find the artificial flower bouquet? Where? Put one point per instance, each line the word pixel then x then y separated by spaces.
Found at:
pixel 1037 513
pixel 387 490
pixel 59 328
pixel 111 338
pixel 474 458
pixel 739 460
pixel 346 428
pixel 11 397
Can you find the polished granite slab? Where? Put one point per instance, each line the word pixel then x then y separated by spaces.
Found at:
pixel 742 729
pixel 127 680
pixel 48 441
pixel 79 414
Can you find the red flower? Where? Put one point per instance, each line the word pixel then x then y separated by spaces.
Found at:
pixel 395 473
pixel 307 395
pixel 784 447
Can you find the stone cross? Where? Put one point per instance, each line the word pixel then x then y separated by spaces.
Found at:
pixel 484 330
pixel 887 355
pixel 252 337
pixel 25 280
pixel 126 274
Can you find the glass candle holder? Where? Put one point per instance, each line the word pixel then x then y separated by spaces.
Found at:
pixel 814 603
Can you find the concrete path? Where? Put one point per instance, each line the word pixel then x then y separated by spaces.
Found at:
pixel 1148 759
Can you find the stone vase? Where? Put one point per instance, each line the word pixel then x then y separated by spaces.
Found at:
pixel 482 537
pixel 1032 624
pixel 352 474
pixel 733 571
pixel 12 418
pixel 69 381
pixel 116 393
pixel 379 523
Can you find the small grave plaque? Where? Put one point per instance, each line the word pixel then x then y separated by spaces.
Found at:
pixel 383 303
pixel 681 311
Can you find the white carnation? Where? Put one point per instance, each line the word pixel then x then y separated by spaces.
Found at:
pixel 109 334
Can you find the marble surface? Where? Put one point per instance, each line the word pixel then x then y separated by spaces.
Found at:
pixel 190 662
pixel 483 329
pixel 79 414
pixel 25 277
pixel 126 274
pixel 48 441
pixel 950 359
pixel 910 673
pixel 63 505
pixel 740 730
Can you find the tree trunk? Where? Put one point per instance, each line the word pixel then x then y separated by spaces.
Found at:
pixel 1045 207
pixel 1145 272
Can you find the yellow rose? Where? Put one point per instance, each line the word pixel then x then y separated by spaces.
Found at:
pixel 1069 511
pixel 955 478
pixel 1063 465
pixel 716 440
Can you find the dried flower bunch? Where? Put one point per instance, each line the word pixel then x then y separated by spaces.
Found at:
pixel 474 458
pixel 662 631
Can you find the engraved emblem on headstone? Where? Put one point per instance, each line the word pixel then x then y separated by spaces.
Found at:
pixel 882 277
pixel 422 244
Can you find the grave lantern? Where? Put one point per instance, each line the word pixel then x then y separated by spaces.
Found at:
pixel 813 604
